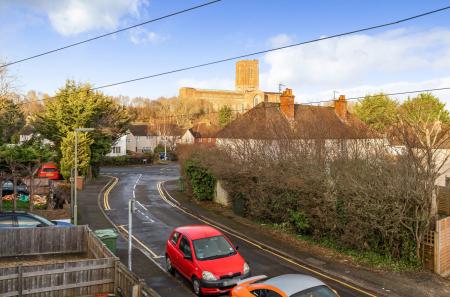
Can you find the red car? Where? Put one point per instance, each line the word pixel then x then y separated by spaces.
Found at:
pixel 207 258
pixel 50 171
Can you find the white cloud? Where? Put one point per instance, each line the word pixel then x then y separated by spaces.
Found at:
pixel 352 59
pixel 71 17
pixel 142 36
pixel 281 40
pixel 213 83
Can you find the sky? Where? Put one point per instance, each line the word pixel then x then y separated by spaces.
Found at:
pixel 408 56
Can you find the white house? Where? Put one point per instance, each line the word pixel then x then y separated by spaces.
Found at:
pixel 143 138
pixel 119 148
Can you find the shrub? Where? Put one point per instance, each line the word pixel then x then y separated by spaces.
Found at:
pixel 299 221
pixel 202 182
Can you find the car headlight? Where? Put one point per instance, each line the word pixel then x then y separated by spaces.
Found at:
pixel 206 275
pixel 246 268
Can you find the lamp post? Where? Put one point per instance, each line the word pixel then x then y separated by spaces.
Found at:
pixel 75 206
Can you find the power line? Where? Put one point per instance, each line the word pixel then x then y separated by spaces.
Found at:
pixel 308 103
pixel 386 94
pixel 110 33
pixel 260 52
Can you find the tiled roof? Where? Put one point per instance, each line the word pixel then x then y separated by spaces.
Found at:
pixel 204 130
pixel 266 121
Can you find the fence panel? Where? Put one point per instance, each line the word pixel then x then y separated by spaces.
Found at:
pixel 75 278
pixel 41 241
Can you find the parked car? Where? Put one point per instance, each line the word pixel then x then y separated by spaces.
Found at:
pixel 288 285
pixel 24 219
pixel 50 171
pixel 8 188
pixel 207 258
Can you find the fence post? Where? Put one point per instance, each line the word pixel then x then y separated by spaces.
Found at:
pixel 19 280
pixel 141 286
pixel 116 274
pixel 437 250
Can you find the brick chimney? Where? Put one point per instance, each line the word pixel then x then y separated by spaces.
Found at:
pixel 287 104
pixel 340 107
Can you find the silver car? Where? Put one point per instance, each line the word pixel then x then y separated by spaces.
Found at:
pixel 288 285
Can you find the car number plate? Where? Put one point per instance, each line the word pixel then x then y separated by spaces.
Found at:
pixel 230 282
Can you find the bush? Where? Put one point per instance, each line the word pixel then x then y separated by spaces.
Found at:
pixel 299 221
pixel 126 160
pixel 201 181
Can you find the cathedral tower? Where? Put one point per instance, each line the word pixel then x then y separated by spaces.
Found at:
pixel 247 75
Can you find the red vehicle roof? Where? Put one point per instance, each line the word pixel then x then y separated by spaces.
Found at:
pixel 49 165
pixel 194 232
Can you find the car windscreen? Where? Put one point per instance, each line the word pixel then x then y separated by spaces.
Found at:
pixel 212 248
pixel 319 291
pixel 49 169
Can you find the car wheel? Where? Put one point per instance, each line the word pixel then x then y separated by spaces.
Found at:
pixel 197 287
pixel 169 266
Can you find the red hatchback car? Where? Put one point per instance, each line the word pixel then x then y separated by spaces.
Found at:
pixel 50 171
pixel 207 258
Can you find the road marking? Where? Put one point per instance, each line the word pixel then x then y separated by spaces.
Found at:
pixel 141 205
pixel 255 243
pixel 142 250
pixel 106 193
pixel 154 255
pixel 134 186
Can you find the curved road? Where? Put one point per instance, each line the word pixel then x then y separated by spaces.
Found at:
pixel 155 218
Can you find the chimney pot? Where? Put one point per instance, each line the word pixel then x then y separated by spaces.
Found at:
pixel 340 107
pixel 287 104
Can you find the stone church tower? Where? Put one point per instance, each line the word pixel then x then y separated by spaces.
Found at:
pixel 247 75
pixel 246 94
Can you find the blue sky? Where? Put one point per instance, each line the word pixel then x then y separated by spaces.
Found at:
pixel 408 56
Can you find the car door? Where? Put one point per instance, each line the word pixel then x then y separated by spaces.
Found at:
pixel 186 258
pixel 172 249
pixel 24 221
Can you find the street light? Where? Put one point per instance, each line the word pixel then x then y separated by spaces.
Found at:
pixel 75 206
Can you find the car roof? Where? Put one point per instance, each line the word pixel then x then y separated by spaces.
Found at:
pixel 194 232
pixel 293 283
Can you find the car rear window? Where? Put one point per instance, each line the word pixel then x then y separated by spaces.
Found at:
pixel 319 291
pixel 6 221
pixel 49 170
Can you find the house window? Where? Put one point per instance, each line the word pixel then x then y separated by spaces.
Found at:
pixel 116 149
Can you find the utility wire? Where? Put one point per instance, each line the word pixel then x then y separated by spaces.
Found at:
pixel 277 106
pixel 259 52
pixel 110 33
pixel 307 103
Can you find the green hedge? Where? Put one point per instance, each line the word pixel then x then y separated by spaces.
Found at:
pixel 202 182
pixel 125 160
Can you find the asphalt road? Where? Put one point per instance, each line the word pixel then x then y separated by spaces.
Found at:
pixel 154 220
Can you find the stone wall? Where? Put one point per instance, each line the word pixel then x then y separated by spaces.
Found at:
pixel 221 196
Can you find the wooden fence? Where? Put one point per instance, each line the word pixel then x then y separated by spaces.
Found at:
pixel 41 241
pixel 100 272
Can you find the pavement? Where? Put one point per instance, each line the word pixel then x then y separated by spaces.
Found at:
pixel 159 211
